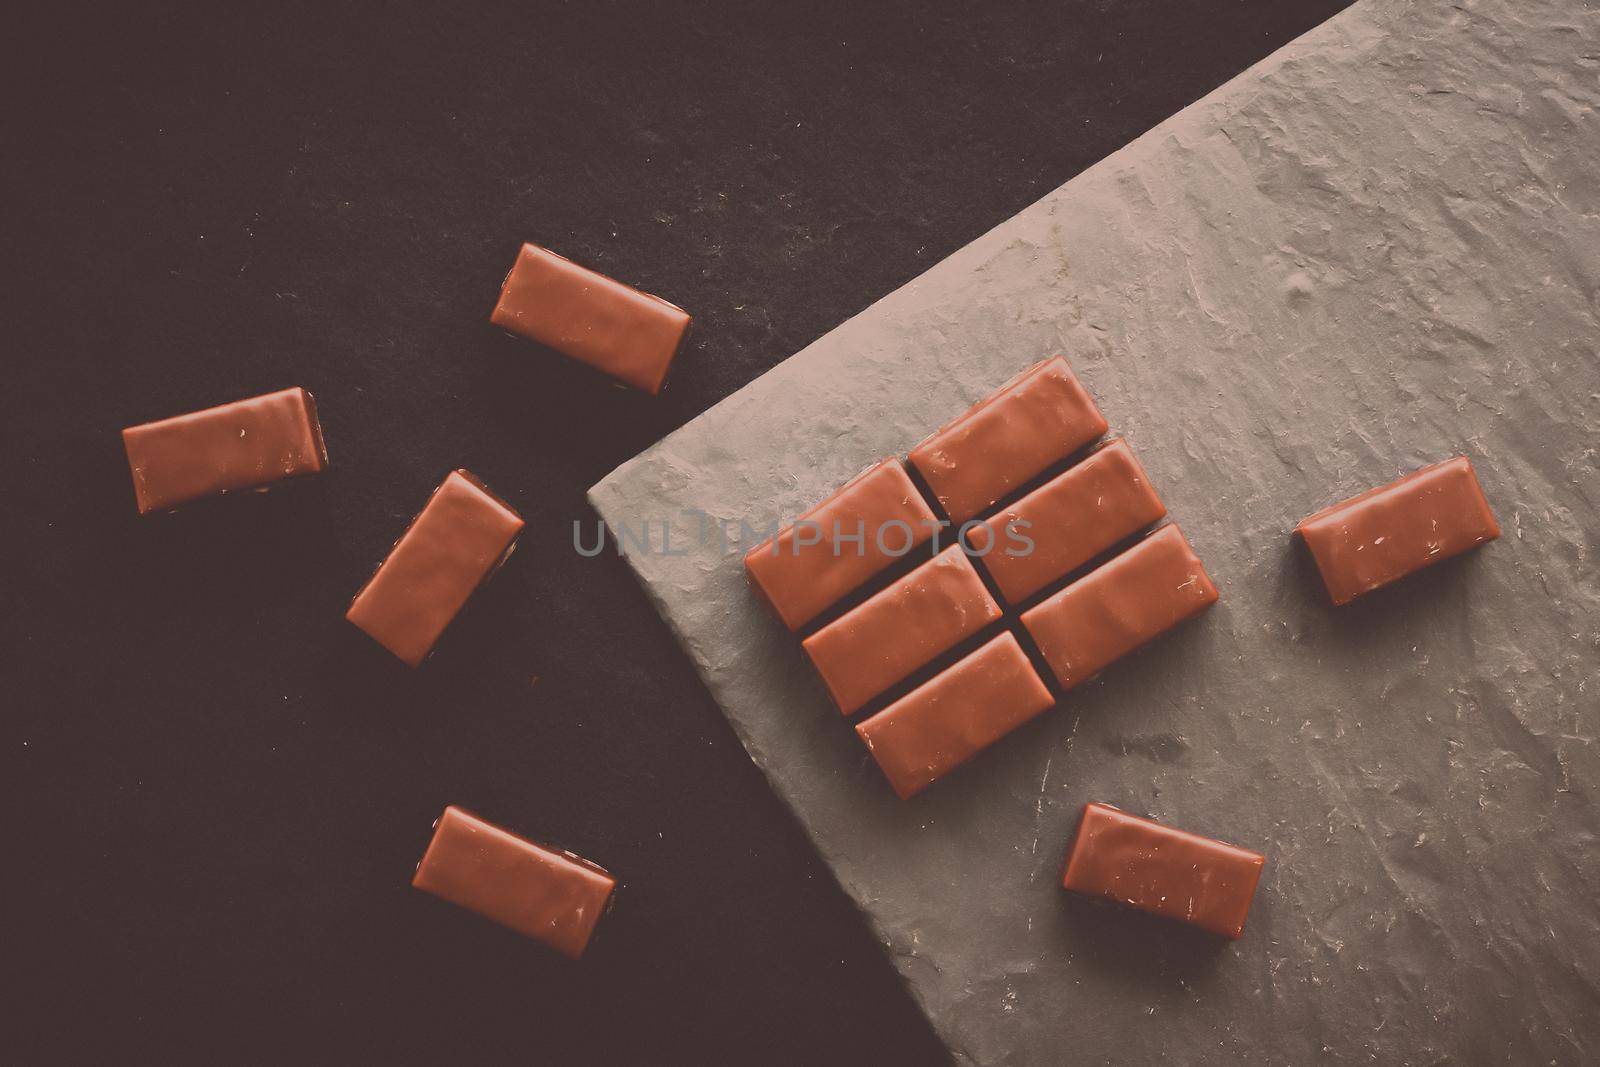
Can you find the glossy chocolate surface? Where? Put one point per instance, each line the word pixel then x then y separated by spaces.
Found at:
pixel 458 540
pixel 809 566
pixel 1070 519
pixel 901 628
pixel 1038 418
pixel 1119 606
pixel 1167 872
pixel 1384 534
pixel 547 894
pixel 629 335
pixel 243 445
pixel 945 722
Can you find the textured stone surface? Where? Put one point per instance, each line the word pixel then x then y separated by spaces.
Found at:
pixel 1378 248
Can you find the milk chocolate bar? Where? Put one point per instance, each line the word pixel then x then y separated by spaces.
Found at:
pixel 460 538
pixel 1040 417
pixel 901 628
pixel 1384 534
pixel 1066 522
pixel 244 445
pixel 1163 871
pixel 1119 606
pixel 552 896
pixel 832 549
pixel 945 722
pixel 629 335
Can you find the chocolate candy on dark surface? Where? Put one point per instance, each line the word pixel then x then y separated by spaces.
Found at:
pixel 831 550
pixel 1119 606
pixel 544 893
pixel 901 628
pixel 457 541
pixel 248 444
pixel 615 328
pixel 1070 519
pixel 1384 534
pixel 1039 418
pixel 947 721
pixel 1161 870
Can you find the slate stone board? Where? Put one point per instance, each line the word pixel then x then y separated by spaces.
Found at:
pixel 1378 248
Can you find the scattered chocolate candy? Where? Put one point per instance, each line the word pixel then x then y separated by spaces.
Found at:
pixel 1384 534
pixel 629 335
pixel 453 546
pixel 1163 871
pixel 549 895
pixel 247 444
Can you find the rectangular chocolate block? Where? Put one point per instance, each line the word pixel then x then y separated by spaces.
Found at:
pixel 945 722
pixel 901 628
pixel 629 335
pixel 244 445
pixel 1384 534
pixel 1066 522
pixel 458 540
pixel 1119 606
pixel 549 895
pixel 1038 418
pixel 1163 871
pixel 831 550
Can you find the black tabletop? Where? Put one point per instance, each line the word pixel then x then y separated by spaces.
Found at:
pixel 219 787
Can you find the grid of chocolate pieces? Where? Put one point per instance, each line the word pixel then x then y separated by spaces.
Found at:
pixel 1053 545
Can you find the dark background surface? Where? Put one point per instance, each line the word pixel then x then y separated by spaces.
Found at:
pixel 217 787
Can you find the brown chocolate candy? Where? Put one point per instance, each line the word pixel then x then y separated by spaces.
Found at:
pixel 629 335
pixel 831 550
pixel 947 721
pixel 1119 606
pixel 553 896
pixel 1384 534
pixel 244 445
pixel 1038 418
pixel 1070 519
pixel 1163 871
pixel 458 540
pixel 901 628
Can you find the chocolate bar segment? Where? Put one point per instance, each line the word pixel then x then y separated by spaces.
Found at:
pixel 243 445
pixel 835 547
pixel 1119 606
pixel 460 538
pixel 1163 871
pixel 1384 534
pixel 901 628
pixel 553 896
pixel 629 335
pixel 1038 418
pixel 945 722
pixel 1066 522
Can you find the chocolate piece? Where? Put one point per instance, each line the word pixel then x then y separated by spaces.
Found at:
pixel 243 445
pixel 1384 534
pixel 1041 416
pixel 1164 871
pixel 553 896
pixel 900 628
pixel 832 549
pixel 458 540
pixel 1119 606
pixel 630 335
pixel 945 722
pixel 1069 520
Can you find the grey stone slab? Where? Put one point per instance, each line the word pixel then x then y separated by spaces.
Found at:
pixel 1377 248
